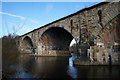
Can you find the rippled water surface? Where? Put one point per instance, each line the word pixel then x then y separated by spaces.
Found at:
pixel 60 67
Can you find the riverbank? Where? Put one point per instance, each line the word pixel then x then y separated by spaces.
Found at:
pixel 50 53
pixel 95 63
pixel 10 55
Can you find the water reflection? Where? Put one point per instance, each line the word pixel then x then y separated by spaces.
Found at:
pixel 43 67
pixel 50 67
pixel 72 71
pixel 60 67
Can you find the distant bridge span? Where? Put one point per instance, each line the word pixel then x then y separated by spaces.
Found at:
pixel 98 23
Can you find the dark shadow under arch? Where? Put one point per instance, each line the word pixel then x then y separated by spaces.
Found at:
pixel 56 38
pixel 27 43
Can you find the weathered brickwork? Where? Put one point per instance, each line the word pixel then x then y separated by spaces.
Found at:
pixel 96 23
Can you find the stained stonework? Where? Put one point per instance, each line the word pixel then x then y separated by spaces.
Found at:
pixel 86 26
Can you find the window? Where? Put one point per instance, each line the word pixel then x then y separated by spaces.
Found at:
pixel 38 34
pixel 71 22
pixel 99 14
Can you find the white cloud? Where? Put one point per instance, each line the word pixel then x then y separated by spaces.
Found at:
pixel 17 26
pixel 20 17
pixel 49 7
pixel 25 29
pixel 33 21
pixel 12 15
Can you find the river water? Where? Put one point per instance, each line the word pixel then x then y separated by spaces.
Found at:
pixel 60 67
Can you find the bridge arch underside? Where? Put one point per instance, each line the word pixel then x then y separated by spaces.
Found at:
pixel 56 38
pixel 27 44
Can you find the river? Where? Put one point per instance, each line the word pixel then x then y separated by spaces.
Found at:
pixel 60 67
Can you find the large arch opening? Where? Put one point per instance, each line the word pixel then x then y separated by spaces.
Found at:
pixel 27 43
pixel 56 38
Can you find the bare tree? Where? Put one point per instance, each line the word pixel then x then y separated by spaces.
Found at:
pixel 15 28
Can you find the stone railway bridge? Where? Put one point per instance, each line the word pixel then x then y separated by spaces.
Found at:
pixel 98 23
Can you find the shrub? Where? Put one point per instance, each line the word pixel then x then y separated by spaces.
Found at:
pixel 9 55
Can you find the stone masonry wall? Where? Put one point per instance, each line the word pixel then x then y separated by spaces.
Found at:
pixel 87 24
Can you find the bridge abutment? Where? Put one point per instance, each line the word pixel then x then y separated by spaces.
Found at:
pixel 53 53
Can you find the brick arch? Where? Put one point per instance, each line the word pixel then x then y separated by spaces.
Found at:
pixel 27 42
pixel 56 38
